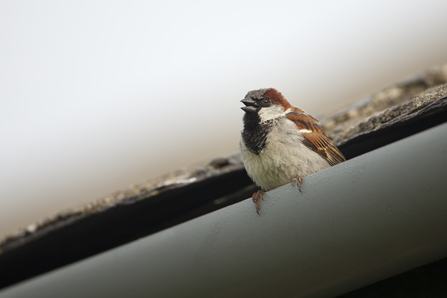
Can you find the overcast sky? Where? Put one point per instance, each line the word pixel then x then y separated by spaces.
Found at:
pixel 98 95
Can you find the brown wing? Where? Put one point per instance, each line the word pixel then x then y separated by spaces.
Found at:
pixel 315 138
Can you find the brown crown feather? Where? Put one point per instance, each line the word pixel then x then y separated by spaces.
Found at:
pixel 277 98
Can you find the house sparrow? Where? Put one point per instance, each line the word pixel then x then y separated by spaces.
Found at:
pixel 281 143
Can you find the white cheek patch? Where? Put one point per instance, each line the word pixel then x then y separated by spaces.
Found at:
pixel 272 112
pixel 305 131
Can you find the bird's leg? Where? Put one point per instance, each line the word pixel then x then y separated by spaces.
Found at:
pixel 298 181
pixel 256 196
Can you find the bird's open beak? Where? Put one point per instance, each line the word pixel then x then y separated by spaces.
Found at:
pixel 250 105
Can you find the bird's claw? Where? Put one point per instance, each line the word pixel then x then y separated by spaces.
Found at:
pixel 256 196
pixel 298 181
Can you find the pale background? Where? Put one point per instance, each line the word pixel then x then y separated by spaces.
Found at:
pixel 98 95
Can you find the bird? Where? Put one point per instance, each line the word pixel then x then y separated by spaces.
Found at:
pixel 280 143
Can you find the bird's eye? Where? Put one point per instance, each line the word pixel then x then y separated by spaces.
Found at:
pixel 263 102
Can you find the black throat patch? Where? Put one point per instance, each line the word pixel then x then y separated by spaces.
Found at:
pixel 255 133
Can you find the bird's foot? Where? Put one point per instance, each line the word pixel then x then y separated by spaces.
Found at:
pixel 298 181
pixel 256 196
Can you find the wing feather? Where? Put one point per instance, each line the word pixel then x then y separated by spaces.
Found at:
pixel 314 137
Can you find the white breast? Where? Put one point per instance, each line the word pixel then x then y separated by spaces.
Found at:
pixel 283 158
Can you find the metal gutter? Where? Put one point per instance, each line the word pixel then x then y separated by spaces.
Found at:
pixel 372 217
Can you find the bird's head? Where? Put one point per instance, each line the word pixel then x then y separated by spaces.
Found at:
pixel 264 104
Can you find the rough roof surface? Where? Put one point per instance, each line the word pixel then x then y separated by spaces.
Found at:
pixel 387 104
